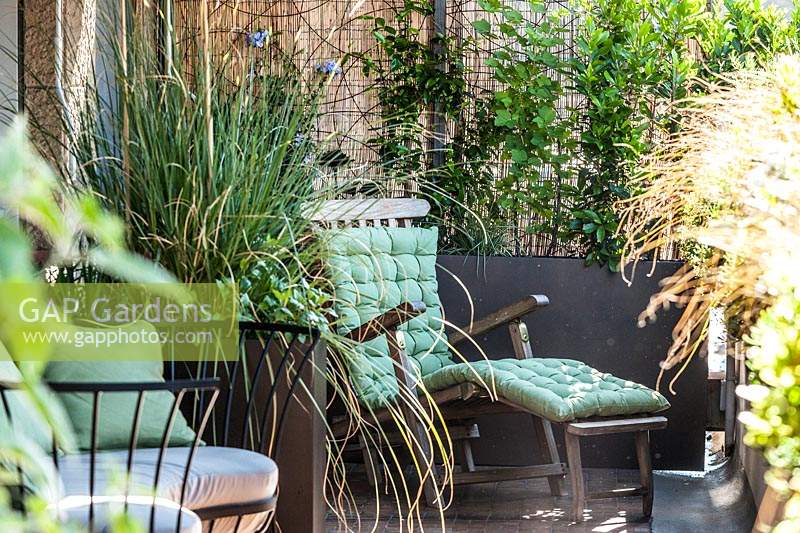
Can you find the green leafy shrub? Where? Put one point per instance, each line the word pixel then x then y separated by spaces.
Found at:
pixel 518 153
pixel 527 130
pixel 632 65
pixel 741 34
pixel 411 74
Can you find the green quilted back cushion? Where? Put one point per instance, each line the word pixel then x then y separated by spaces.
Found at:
pixel 374 270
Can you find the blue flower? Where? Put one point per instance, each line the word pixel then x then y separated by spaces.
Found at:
pixel 258 39
pixel 298 139
pixel 330 68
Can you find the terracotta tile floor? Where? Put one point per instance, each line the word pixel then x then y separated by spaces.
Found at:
pixel 507 507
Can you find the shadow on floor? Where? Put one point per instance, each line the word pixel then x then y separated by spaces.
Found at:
pixel 683 503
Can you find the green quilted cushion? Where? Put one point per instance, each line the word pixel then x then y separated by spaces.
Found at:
pixel 117 409
pixel 557 389
pixel 374 270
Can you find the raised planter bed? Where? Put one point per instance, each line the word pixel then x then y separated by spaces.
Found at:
pixel 592 317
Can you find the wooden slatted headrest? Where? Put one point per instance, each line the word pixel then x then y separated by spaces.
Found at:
pixel 371 209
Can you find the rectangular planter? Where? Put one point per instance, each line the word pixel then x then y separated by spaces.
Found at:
pixel 299 450
pixel 592 317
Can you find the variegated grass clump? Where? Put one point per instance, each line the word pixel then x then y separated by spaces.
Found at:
pixel 727 189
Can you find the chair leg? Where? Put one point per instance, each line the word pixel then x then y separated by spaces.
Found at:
pixel 645 471
pixel 424 457
pixel 546 450
pixel 576 476
pixel 465 459
pixel 371 463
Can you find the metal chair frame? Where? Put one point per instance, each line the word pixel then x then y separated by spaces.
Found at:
pixel 260 389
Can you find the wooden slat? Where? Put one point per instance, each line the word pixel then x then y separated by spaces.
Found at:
pixel 604 427
pixel 463 391
pixel 508 474
pixel 519 338
pixel 483 406
pixel 421 449
pixel 468 391
pixel 371 462
pixel 573 445
pixel 645 470
pixel 546 450
pixel 456 433
pixel 386 322
pixel 503 316
pixel 372 209
pixel 463 450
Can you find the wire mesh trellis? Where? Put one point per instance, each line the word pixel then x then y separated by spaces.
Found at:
pixel 319 30
pixel 312 32
pixel 480 81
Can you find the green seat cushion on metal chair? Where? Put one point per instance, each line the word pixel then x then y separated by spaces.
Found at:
pixel 26 419
pixel 134 362
pixel 374 270
pixel 559 390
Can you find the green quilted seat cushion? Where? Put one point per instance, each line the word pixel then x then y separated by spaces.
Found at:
pixel 372 271
pixel 376 269
pixel 557 389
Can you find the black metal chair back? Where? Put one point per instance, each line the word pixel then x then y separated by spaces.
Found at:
pixel 239 403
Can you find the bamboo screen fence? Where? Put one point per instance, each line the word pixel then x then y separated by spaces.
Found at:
pixel 320 30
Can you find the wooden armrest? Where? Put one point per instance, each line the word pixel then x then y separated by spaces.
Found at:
pixel 388 321
pixel 498 318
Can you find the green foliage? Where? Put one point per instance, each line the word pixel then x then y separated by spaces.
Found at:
pixel 519 153
pixel 744 34
pixel 773 421
pixel 282 297
pixel 215 178
pixel 633 61
pixel 411 75
pixel 527 130
pixel 775 360
pixel 509 158
pixel 464 199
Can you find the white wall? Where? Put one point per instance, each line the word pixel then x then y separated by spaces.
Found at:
pixel 8 60
pixel 780 3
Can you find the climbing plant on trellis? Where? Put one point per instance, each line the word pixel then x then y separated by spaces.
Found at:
pixel 316 31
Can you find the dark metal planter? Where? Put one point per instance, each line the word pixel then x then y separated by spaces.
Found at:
pixel 592 317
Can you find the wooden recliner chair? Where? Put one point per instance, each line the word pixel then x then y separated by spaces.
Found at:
pixel 384 272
